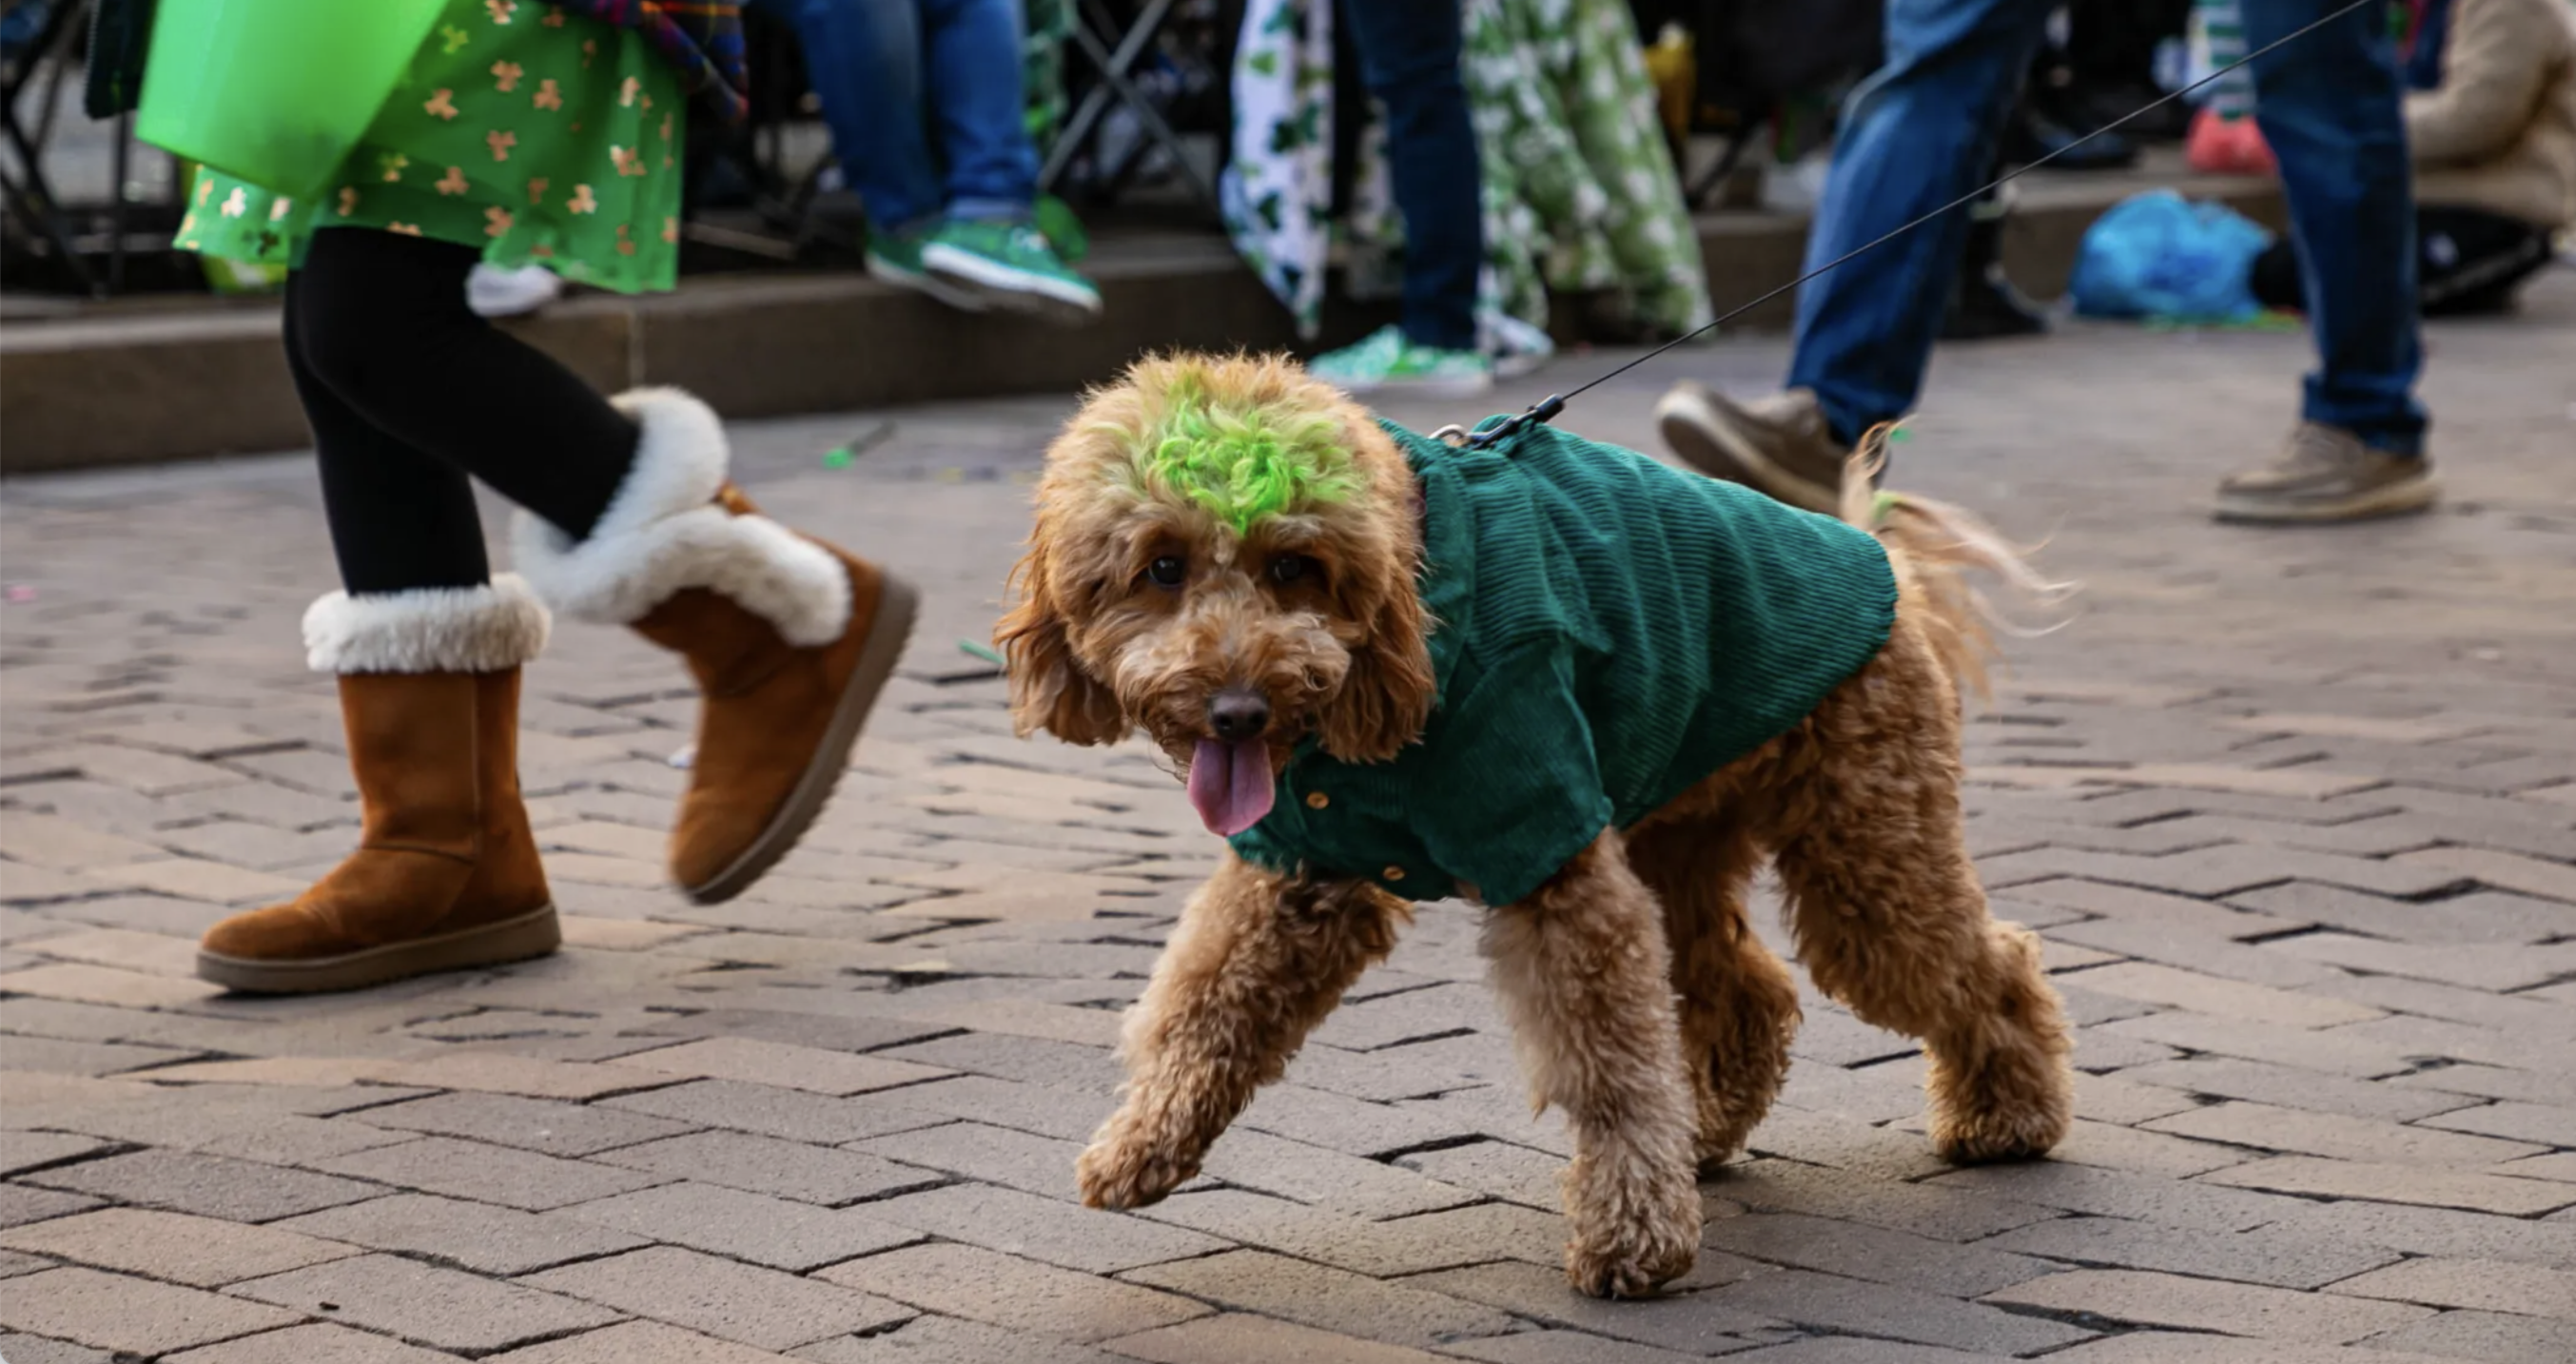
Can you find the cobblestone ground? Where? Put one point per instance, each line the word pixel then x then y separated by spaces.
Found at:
pixel 2295 811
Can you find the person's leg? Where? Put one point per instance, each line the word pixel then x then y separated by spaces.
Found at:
pixel 864 60
pixel 1409 56
pixel 2329 105
pixel 978 101
pixel 400 519
pixel 426 647
pixel 384 325
pixel 989 246
pixel 2331 109
pixel 1915 137
pixel 630 520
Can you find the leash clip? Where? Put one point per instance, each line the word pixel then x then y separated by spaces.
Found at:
pixel 1542 412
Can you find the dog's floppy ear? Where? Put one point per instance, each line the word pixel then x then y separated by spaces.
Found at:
pixel 1049 688
pixel 1386 697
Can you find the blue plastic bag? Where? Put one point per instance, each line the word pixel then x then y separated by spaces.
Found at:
pixel 2160 255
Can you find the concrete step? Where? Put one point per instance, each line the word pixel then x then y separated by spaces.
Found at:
pixel 143 381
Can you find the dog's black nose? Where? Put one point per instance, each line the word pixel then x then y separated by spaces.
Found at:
pixel 1238 713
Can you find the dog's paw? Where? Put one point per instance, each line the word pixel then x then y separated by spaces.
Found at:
pixel 2009 1112
pixel 1122 1172
pixel 1993 1137
pixel 1630 1260
pixel 1722 1141
pixel 1634 1227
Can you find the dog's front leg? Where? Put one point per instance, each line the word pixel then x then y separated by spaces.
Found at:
pixel 1583 973
pixel 1257 961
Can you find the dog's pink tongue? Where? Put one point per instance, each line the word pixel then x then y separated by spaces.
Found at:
pixel 1230 784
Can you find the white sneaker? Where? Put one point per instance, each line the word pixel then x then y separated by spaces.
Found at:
pixel 495 291
pixel 1388 363
pixel 1516 348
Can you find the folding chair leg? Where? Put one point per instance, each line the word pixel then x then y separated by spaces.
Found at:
pixel 1724 166
pixel 1115 85
pixel 28 192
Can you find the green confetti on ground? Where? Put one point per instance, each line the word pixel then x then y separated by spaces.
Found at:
pixel 976 649
pixel 846 453
pixel 2270 320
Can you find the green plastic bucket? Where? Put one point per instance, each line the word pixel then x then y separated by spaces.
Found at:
pixel 275 92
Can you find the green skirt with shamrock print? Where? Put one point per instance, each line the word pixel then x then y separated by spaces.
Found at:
pixel 540 137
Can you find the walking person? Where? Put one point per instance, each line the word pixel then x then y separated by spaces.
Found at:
pixel 1916 135
pixel 528 133
pixel 910 87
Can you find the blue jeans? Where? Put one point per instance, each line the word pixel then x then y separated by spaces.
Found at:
pixel 886 70
pixel 1919 131
pixel 1408 52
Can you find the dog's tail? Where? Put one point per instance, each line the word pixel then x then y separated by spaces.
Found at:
pixel 1935 545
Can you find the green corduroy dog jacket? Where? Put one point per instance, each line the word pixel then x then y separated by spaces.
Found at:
pixel 1606 633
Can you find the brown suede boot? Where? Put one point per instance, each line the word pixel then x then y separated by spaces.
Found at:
pixel 446 873
pixel 789 638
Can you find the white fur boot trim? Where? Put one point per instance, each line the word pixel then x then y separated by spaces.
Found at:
pixel 427 630
pixel 664 533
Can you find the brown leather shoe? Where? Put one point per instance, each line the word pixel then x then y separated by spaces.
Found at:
pixel 446 873
pixel 789 638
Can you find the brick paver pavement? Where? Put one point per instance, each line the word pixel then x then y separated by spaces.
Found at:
pixel 2295 811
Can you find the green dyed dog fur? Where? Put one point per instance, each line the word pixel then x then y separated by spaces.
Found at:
pixel 1244 466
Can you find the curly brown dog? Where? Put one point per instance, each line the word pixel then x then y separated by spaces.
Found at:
pixel 1278 590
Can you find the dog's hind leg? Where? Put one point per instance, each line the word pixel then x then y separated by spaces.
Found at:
pixel 1889 916
pixel 1738 1003
pixel 1257 961
pixel 1585 981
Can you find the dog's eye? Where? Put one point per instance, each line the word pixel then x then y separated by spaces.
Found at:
pixel 1293 568
pixel 1171 570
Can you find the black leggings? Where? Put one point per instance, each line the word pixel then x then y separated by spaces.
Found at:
pixel 409 393
pixel 2467 260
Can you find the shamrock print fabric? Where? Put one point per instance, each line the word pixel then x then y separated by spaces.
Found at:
pixel 1276 192
pixel 540 137
pixel 1579 191
pixel 1565 117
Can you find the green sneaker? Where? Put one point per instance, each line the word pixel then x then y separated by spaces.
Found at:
pixel 1012 266
pixel 1388 363
pixel 897 260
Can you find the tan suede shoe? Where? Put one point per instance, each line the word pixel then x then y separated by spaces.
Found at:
pixel 789 638
pixel 446 873
pixel 2326 473
pixel 1777 445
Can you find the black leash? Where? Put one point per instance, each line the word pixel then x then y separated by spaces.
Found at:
pixel 1546 409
